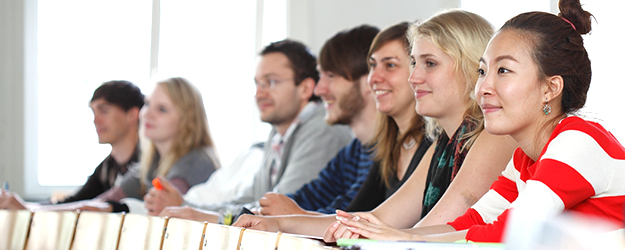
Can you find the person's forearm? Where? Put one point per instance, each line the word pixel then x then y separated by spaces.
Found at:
pixel 89 190
pixel 450 236
pixel 113 194
pixel 210 216
pixel 313 213
pixel 430 230
pixel 305 224
pixel 180 184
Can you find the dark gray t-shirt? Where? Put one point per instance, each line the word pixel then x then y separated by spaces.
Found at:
pixel 193 168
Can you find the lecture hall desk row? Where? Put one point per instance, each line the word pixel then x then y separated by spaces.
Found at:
pixel 21 229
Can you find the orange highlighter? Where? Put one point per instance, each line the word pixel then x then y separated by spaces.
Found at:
pixel 156 182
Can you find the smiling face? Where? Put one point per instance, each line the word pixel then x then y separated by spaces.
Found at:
pixel 342 98
pixel 388 74
pixel 438 88
pixel 160 117
pixel 280 104
pixel 509 90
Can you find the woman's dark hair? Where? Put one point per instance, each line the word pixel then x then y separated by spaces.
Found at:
pixel 345 54
pixel 303 62
pixel 558 48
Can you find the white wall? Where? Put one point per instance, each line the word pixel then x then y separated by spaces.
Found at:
pixel 314 21
pixel 12 78
pixel 604 44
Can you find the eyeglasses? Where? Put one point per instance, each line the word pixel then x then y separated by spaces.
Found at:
pixel 269 83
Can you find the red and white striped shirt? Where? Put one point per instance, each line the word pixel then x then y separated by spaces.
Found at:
pixel 581 169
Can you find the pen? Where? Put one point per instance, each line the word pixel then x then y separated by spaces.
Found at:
pixel 6 186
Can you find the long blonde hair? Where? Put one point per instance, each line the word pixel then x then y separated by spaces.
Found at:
pixel 193 131
pixel 463 36
pixel 387 139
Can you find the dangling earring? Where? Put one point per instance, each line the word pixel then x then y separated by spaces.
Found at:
pixel 546 108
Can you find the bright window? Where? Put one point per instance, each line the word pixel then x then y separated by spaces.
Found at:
pixel 84 43
pixel 214 48
pixel 80 45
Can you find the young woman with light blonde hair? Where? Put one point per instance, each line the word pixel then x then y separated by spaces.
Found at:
pixel 178 144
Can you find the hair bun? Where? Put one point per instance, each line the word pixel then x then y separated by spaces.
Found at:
pixel 572 11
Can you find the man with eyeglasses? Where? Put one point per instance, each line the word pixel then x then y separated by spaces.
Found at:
pixel 348 100
pixel 299 145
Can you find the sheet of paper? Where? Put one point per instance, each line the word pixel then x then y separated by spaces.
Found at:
pixel 366 244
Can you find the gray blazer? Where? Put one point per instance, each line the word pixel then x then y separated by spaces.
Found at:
pixel 306 152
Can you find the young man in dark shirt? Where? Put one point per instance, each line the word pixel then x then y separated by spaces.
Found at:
pixel 115 106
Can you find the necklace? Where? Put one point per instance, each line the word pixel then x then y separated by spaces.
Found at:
pixel 410 144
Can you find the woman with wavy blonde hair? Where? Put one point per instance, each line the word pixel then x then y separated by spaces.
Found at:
pixel 193 131
pixel 452 114
pixel 463 36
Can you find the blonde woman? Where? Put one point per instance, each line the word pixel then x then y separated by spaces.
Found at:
pixel 178 146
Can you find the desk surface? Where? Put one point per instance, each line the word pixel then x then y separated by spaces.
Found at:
pixel 363 244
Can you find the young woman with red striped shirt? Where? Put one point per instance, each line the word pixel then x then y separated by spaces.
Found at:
pixel 534 76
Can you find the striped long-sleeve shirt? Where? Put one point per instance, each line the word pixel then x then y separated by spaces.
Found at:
pixel 581 169
pixel 338 182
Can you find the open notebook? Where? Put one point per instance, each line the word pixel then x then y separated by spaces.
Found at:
pixel 365 244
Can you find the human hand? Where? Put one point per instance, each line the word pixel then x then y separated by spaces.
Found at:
pixel 257 223
pixel 189 213
pixel 155 200
pixel 11 201
pixel 337 230
pixel 278 204
pixel 368 226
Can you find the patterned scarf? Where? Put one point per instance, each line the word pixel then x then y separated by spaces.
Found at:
pixel 446 162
